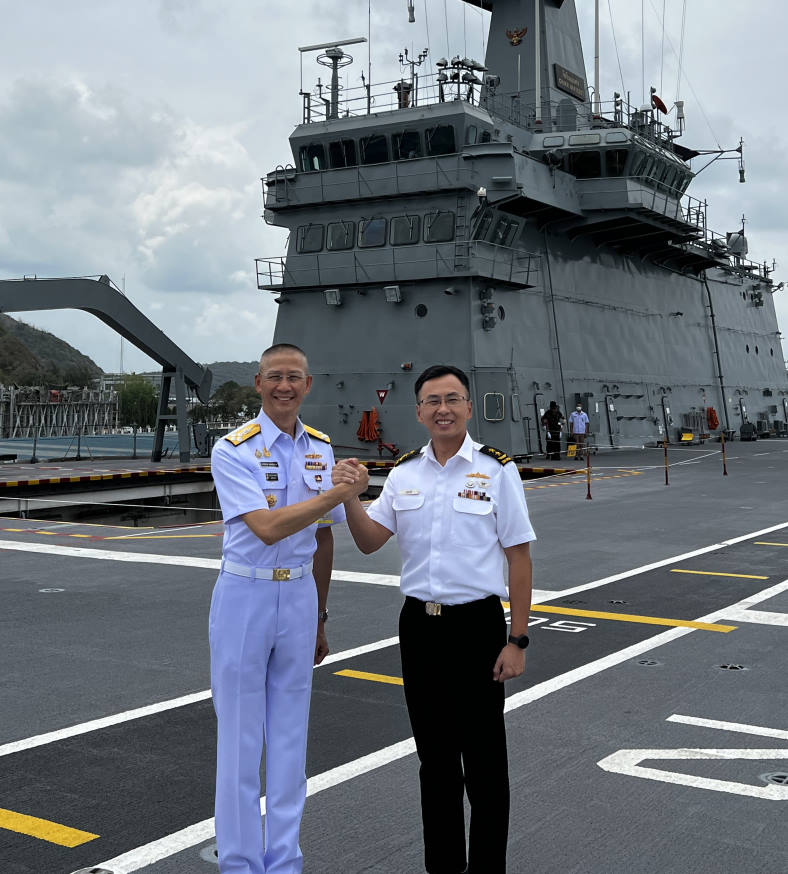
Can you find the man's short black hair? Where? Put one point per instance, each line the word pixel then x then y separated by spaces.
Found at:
pixel 437 370
pixel 283 347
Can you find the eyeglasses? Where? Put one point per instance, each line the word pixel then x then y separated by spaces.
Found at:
pixel 276 378
pixel 433 401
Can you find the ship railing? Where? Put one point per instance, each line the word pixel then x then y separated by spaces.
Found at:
pixel 744 267
pixel 397 264
pixel 428 89
pixel 390 179
pixel 404 93
pixel 641 192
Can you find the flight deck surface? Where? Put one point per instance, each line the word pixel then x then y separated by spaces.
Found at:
pixel 648 733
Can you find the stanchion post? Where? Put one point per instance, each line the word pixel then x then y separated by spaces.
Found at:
pixel 665 444
pixel 588 474
pixel 724 460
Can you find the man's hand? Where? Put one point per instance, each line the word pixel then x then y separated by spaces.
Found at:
pixel 510 663
pixel 350 476
pixel 321 643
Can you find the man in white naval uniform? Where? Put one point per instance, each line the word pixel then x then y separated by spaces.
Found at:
pixel 458 509
pixel 268 613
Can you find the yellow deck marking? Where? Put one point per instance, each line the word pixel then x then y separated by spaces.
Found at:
pixel 718 574
pixel 768 543
pixel 631 617
pixel 375 678
pixel 43 829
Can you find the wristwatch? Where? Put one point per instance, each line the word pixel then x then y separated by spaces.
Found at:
pixel 519 640
pixel 322 615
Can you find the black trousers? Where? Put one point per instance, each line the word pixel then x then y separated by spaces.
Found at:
pixel 553 449
pixel 456 712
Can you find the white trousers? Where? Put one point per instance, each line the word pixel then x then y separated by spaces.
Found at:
pixel 262 636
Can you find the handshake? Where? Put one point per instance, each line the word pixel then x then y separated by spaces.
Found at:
pixel 350 478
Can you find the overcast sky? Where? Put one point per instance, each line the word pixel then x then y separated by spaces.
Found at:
pixel 133 136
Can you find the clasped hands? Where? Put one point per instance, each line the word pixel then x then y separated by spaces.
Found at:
pixel 351 476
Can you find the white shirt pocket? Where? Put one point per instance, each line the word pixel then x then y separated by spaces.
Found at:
pixel 469 519
pixel 409 513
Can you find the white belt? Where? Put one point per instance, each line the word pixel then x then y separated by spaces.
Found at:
pixel 280 574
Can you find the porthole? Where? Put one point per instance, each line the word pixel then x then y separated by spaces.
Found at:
pixel 771 352
pixel 747 347
pixel 756 350
pixel 421 310
pixel 501 313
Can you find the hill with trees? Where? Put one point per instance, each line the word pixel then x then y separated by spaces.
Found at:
pixel 29 356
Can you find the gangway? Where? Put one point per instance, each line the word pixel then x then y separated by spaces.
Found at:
pixel 98 296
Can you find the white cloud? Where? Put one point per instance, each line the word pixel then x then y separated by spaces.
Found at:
pixel 133 138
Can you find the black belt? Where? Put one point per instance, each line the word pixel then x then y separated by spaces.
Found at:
pixel 435 608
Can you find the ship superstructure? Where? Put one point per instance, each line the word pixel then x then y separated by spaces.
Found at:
pixel 548 247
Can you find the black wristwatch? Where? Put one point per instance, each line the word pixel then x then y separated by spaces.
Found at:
pixel 521 640
pixel 322 615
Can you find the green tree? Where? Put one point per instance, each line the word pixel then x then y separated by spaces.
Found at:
pixel 137 402
pixel 231 399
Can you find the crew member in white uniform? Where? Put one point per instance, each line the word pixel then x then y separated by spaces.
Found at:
pixel 458 509
pixel 268 614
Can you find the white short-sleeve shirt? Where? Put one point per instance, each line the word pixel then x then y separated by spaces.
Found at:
pixel 578 422
pixel 453 523
pixel 267 470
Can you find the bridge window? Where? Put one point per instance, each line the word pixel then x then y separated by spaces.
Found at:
pixel 405 230
pixel 406 145
pixel 504 232
pixel 374 149
pixel 309 238
pixel 312 157
pixel 439 226
pixel 471 134
pixel 585 165
pixel 372 233
pixel 615 161
pixel 485 137
pixel 342 153
pixel 440 140
pixel 340 235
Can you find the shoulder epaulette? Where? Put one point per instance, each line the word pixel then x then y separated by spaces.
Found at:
pixel 318 434
pixel 408 456
pixel 500 457
pixel 243 433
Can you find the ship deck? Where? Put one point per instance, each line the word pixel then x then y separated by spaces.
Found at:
pixel 632 748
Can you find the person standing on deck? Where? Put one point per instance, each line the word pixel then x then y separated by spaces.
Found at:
pixel 268 614
pixel 578 426
pixel 458 510
pixel 553 421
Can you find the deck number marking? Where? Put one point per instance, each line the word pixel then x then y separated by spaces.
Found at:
pixel 628 762
pixel 561 624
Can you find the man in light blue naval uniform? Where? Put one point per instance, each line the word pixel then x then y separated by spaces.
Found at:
pixel 268 614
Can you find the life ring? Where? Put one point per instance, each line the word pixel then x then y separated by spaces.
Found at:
pixel 711 418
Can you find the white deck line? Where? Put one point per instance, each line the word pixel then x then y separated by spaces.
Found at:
pixel 149 854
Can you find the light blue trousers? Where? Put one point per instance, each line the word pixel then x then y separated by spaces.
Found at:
pixel 262 636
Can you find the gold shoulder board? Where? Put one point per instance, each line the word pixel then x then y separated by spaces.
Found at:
pixel 318 434
pixel 500 457
pixel 243 433
pixel 407 457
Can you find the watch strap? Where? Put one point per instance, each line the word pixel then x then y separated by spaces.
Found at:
pixel 519 640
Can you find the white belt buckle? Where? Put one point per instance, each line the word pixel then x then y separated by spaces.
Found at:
pixel 281 574
pixel 432 608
